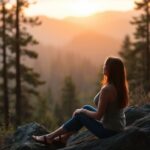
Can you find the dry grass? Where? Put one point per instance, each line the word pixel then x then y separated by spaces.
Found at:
pixel 139 97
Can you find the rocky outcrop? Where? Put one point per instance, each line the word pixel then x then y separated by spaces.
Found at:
pixel 135 137
pixel 134 113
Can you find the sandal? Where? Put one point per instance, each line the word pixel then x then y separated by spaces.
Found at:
pixel 42 142
pixel 58 143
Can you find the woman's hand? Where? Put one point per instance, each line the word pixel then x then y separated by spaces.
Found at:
pixel 77 111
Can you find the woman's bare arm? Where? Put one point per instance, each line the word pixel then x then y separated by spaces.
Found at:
pixel 104 97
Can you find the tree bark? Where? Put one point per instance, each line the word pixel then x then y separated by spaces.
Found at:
pixel 5 79
pixel 148 43
pixel 18 75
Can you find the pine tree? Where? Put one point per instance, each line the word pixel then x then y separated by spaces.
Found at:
pixel 29 79
pixel 127 54
pixel 3 45
pixel 142 44
pixel 18 73
pixel 43 114
pixel 145 6
pixel 136 54
pixel 58 114
pixel 69 98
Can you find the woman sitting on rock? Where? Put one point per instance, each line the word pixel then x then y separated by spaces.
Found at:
pixel 108 118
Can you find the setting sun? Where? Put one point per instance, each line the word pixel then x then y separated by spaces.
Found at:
pixel 79 8
pixel 83 7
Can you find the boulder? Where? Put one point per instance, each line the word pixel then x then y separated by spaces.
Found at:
pixel 136 136
pixel 134 112
pixel 22 138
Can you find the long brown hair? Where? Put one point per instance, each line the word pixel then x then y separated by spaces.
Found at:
pixel 116 75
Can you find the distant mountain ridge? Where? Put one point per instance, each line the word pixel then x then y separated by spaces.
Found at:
pixel 55 32
pixel 111 23
pixel 59 32
pixel 93 46
pixel 107 29
pixel 77 47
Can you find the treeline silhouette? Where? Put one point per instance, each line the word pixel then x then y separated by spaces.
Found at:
pixel 136 52
pixel 18 81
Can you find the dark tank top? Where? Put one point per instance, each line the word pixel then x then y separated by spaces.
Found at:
pixel 114 117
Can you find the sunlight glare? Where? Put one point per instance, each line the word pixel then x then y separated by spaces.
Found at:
pixel 78 8
pixel 8 6
pixel 83 7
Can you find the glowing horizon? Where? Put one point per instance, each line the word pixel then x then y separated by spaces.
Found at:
pixel 78 8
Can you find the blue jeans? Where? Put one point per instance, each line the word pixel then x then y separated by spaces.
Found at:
pixel 80 120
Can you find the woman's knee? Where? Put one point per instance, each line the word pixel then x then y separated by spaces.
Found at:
pixel 86 107
pixel 81 116
pixel 89 107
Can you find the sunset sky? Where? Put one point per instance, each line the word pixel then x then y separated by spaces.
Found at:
pixel 64 8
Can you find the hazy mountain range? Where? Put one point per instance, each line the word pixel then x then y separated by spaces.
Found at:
pixel 93 37
pixel 77 46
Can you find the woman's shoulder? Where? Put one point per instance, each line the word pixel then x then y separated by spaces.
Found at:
pixel 108 87
pixel 110 90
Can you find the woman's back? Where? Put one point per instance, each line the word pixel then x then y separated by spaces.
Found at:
pixel 114 117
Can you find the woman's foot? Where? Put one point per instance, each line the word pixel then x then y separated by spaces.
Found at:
pixel 61 138
pixel 45 139
pixel 60 141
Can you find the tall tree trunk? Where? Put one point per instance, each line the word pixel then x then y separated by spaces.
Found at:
pixel 18 75
pixel 148 43
pixel 5 81
pixel 147 72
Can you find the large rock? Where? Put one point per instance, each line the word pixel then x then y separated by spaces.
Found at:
pixel 22 138
pixel 133 113
pixel 135 137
